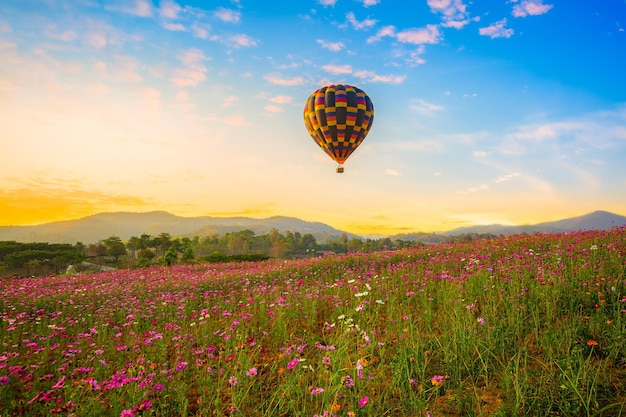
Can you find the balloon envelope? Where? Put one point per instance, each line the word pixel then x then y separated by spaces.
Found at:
pixel 338 117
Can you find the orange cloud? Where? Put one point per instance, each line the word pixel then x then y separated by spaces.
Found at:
pixel 27 206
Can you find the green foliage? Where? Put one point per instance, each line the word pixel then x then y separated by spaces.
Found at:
pixel 31 256
pixel 218 257
pixel 170 257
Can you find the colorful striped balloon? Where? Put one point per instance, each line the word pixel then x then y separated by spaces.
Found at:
pixel 338 117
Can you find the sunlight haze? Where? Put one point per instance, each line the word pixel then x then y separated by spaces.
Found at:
pixel 508 111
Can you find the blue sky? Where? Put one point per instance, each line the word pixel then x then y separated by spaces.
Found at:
pixel 507 112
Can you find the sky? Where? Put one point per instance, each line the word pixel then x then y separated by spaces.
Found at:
pixel 501 111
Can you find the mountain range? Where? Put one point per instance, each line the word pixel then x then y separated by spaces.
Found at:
pixel 100 226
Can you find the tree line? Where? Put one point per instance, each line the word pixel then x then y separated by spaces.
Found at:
pixel 145 250
pixel 233 246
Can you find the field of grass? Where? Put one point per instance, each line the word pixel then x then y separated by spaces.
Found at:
pixel 514 326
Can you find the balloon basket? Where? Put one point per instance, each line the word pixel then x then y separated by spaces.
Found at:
pixel 339 170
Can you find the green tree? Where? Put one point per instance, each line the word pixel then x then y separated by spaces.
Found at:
pixel 170 257
pixel 114 247
pixel 188 255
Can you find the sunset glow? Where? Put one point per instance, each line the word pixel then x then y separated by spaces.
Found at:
pixel 510 112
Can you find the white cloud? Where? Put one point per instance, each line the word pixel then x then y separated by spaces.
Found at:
pixel 97 40
pixel 228 15
pixel 125 68
pixel 471 190
pixel 368 3
pixel 545 131
pixel 229 101
pixel 382 33
pixel 531 8
pixel 599 131
pixel 141 8
pixel 376 78
pixel 425 108
pixel 200 31
pixel 392 172
pixel 272 108
pixel 169 9
pixel 150 96
pixel 65 36
pixel 454 12
pixel 507 177
pixel 479 154
pixel 326 3
pixel 234 120
pixel 364 24
pixel 497 30
pixel 415 57
pixel 175 27
pixel 417 36
pixel 331 46
pixel 193 71
pixel 243 40
pixel 281 99
pixel 277 80
pixel 338 69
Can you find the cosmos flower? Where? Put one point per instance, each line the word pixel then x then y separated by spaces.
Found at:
pixel 437 380
pixel 293 363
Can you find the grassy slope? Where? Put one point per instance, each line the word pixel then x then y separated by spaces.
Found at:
pixel 520 325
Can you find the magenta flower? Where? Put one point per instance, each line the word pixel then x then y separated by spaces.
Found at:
pixel 363 401
pixel 292 363
pixel 181 365
pixel 316 390
pixel 437 380
pixel 59 384
pixel 4 380
pixel 251 372
pixel 127 413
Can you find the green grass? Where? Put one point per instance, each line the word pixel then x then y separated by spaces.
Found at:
pixel 514 326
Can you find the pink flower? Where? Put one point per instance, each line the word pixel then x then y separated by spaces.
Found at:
pixel 292 363
pixel 127 413
pixel 232 380
pixel 437 380
pixel 59 384
pixel 363 401
pixel 251 372
pixel 316 390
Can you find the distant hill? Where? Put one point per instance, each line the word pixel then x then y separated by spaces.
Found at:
pixel 100 226
pixel 598 220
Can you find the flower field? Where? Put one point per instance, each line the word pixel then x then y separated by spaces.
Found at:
pixel 518 325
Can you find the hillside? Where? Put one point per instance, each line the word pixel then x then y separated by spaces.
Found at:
pixel 598 220
pixel 100 226
pixel 94 228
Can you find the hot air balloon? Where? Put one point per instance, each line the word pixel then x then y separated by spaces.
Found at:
pixel 338 117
